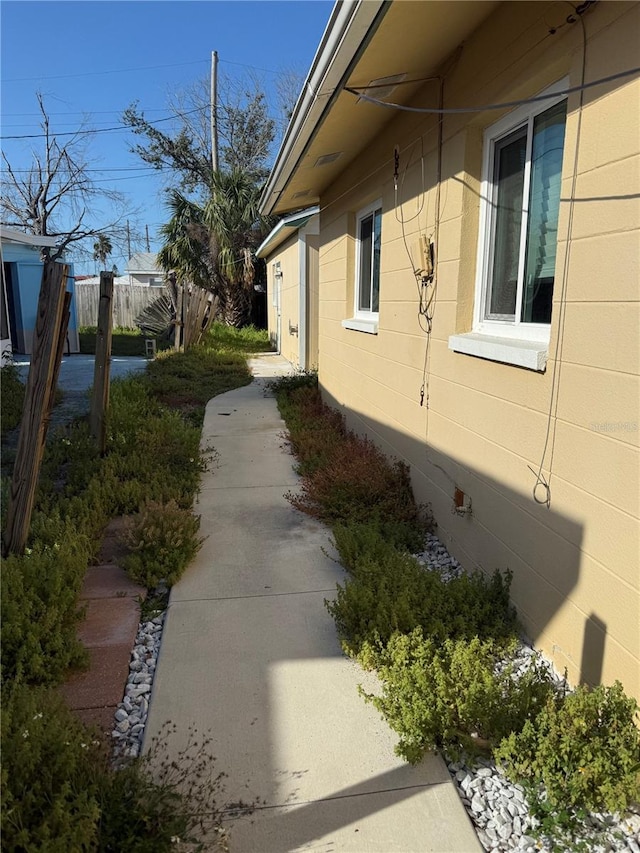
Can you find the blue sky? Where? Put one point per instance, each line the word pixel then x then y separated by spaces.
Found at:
pixel 93 59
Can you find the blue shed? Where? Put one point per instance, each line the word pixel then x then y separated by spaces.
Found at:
pixel 21 280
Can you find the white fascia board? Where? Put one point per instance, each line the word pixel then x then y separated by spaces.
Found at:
pixel 285 228
pixel 13 236
pixel 348 26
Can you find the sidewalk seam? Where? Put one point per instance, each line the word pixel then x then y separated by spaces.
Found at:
pixel 330 799
pixel 253 595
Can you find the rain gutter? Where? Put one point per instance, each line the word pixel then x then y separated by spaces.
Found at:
pixel 350 27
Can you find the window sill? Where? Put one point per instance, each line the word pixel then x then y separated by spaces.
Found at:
pixel 521 353
pixel 360 324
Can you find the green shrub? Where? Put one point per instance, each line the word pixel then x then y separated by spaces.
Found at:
pixel 583 749
pixel 50 775
pixel 283 386
pixel 449 695
pixel 389 591
pixel 163 539
pixel 358 483
pixel 377 539
pixel 39 606
pixel 157 803
pixel 61 795
pixel 11 397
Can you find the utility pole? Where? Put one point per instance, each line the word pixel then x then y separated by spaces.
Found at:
pixel 214 109
pixel 148 246
pixel 128 243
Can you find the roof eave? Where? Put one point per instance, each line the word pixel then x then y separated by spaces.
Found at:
pixel 39 241
pixel 349 27
pixel 287 226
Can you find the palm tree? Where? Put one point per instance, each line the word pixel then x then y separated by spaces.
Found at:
pixel 213 245
pixel 236 230
pixel 102 248
pixel 185 242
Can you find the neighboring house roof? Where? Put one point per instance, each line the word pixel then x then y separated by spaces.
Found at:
pixel 95 279
pixel 143 262
pixel 9 235
pixel 287 226
pixel 364 44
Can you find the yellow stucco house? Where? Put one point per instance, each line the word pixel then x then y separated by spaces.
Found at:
pixel 476 166
pixel 290 252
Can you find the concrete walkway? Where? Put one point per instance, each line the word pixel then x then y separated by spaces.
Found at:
pixel 250 653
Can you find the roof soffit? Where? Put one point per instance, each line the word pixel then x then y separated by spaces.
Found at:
pixel 412 38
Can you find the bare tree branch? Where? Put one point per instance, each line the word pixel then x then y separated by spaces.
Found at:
pixel 56 197
pixel 245 131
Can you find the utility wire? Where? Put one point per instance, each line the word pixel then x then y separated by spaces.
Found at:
pixel 108 71
pixel 489 107
pixel 138 68
pixel 106 169
pixel 105 129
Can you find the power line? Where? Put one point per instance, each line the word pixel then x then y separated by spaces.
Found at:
pixel 138 68
pixel 252 67
pixel 110 71
pixel 106 169
pixel 84 112
pixel 103 129
pixel 95 125
pixel 488 107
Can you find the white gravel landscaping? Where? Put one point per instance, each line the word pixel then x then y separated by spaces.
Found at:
pixel 498 809
pixel 131 714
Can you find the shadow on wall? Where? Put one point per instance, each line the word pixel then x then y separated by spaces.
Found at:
pixel 593 644
pixel 505 529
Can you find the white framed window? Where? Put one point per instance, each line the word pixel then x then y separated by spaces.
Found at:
pixel 518 236
pixel 367 267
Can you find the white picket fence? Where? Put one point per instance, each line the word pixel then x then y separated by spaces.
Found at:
pixel 128 302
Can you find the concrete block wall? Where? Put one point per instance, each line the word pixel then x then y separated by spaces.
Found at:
pixel 575 563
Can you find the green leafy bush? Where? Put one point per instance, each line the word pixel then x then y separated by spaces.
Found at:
pixel 583 751
pixel 50 775
pixel 345 478
pixel 60 794
pixel 389 591
pixel 39 606
pixel 157 803
pixel 11 397
pixel 450 695
pixel 377 539
pixel 163 539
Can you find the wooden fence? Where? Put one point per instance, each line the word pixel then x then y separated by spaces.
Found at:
pixel 128 302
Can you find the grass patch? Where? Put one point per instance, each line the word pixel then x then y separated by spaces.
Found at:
pixel 247 340
pixel 123 341
pixel 186 381
pixel 11 397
